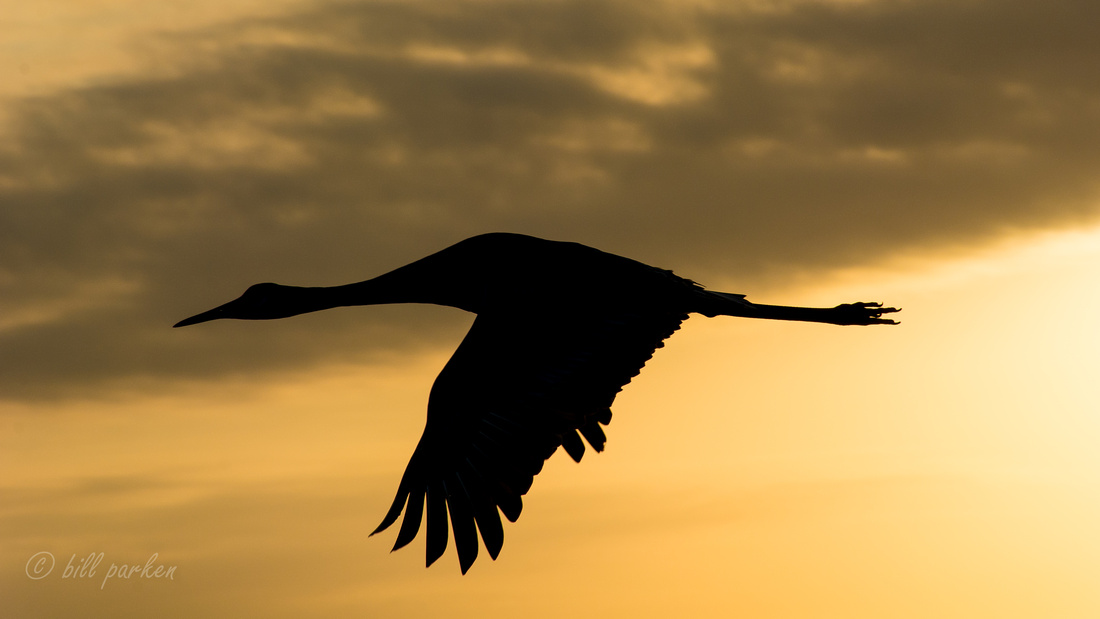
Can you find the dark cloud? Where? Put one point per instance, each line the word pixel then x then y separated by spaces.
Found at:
pixel 334 144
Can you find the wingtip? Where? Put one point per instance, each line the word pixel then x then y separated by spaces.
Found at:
pixel 494 551
pixel 465 564
pixel 381 527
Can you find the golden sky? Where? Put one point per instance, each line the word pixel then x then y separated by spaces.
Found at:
pixel 158 158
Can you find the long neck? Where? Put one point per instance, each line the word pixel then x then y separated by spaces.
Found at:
pixel 418 282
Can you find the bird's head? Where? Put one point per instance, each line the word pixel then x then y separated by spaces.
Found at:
pixel 260 302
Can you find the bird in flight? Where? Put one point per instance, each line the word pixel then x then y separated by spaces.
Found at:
pixel 560 329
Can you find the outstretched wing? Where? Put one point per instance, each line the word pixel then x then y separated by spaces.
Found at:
pixel 517 387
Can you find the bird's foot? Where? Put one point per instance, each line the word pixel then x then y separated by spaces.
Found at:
pixel 864 314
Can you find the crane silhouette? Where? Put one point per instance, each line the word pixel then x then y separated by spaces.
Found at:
pixel 560 329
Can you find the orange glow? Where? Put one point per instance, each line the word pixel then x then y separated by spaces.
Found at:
pixel 779 470
pixel 158 157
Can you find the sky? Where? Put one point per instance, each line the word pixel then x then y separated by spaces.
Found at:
pixel 156 158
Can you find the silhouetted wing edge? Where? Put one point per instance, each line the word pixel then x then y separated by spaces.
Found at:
pixel 501 406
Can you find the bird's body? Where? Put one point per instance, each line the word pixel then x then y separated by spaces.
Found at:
pixel 560 329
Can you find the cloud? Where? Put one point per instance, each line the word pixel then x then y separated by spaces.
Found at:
pixel 333 144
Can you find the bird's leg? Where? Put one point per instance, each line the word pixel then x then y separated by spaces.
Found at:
pixel 861 313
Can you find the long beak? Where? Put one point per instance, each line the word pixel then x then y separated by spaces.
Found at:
pixel 214 314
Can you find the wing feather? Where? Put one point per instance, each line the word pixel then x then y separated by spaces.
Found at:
pixel 437 521
pixel 571 443
pixel 462 522
pixel 514 391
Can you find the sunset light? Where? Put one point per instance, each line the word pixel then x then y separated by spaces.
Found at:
pixel 159 158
